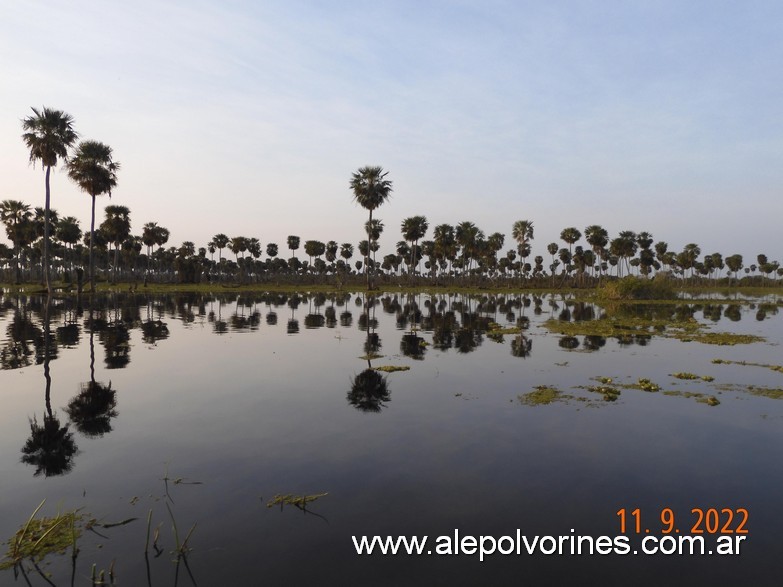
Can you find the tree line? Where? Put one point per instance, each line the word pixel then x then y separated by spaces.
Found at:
pixel 460 254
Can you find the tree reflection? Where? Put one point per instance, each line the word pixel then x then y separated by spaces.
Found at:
pixel 50 447
pixel 154 330
pixel 369 389
pixel 21 331
pixel 116 342
pixel 93 409
pixel 413 346
pixel 521 346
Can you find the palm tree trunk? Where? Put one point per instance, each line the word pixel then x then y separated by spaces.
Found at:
pixel 369 247
pixel 92 246
pixel 46 236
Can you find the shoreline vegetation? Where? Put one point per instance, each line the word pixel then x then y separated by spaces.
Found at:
pixel 629 289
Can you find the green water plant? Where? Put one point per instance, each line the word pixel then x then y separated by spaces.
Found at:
pixel 777 368
pixel 40 537
pixel 543 395
pixel 647 385
pixel 610 393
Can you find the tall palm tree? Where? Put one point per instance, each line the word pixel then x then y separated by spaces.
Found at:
pixel 370 189
pixel 95 172
pixel 48 134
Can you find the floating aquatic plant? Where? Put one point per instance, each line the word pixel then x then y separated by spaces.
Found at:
pixel 542 395
pixel 392 368
pixel 647 385
pixel 610 393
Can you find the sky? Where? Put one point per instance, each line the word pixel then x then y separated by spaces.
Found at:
pixel 248 118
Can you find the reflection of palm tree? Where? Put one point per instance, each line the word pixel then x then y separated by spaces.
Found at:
pixel 521 346
pixel 413 346
pixel 51 447
pixel 369 391
pixel 116 341
pixel 92 410
pixel 21 332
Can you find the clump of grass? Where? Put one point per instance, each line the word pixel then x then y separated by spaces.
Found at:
pixel 610 393
pixel 710 400
pixel 777 368
pixel 392 368
pixel 684 375
pixel 604 380
pixel 371 357
pixel 768 392
pixel 497 329
pixel 542 395
pixel 719 338
pixel 647 385
pixel 637 288
pixel 40 537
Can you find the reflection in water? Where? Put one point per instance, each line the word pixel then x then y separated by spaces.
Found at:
pixel 413 346
pixel 92 410
pixel 521 346
pixel 451 321
pixel 50 447
pixel 369 391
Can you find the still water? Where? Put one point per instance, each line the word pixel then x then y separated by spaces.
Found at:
pixel 201 409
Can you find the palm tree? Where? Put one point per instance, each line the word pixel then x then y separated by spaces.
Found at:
pixel 293 244
pixel 346 251
pixel 48 134
pixel 522 232
pixel 413 229
pixel 370 189
pixel 445 242
pixel 116 227
pixel 95 172
pixel 734 264
pixel 570 235
pixel 14 214
pixel 220 241
pixel 69 233
pixel 469 237
pixel 597 237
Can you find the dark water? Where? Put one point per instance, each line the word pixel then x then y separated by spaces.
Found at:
pixel 203 408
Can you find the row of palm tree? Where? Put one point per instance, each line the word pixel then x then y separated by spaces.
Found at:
pixel 461 252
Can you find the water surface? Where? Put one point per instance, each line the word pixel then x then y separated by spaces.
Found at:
pixel 213 404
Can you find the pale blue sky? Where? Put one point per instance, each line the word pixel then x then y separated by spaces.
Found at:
pixel 248 118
